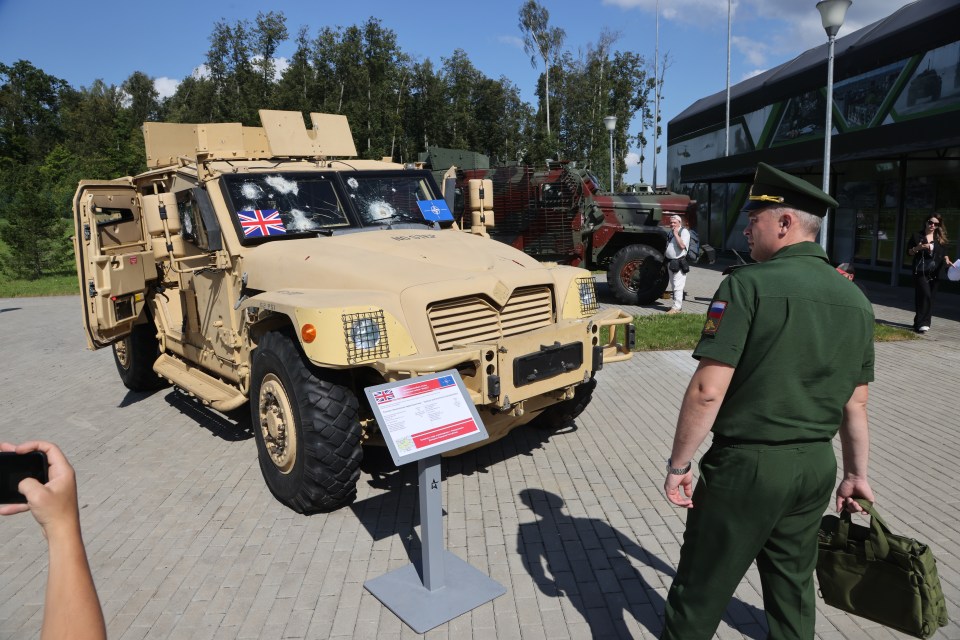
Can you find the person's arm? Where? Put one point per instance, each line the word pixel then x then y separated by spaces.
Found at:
pixel 71 608
pixel 855 443
pixel 701 402
pixel 678 234
pixel 915 244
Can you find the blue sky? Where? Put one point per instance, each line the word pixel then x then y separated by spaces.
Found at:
pixel 81 42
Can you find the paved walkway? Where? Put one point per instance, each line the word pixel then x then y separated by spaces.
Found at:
pixel 185 541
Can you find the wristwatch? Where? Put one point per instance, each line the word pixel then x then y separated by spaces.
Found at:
pixel 678 471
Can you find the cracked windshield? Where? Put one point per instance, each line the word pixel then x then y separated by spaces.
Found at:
pixel 388 199
pixel 275 204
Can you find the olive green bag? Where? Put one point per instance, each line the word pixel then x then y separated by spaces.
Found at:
pixel 875 574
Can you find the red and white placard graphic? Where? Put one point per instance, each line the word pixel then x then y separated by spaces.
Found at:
pixel 426 415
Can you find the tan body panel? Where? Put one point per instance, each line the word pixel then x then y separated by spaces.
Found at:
pixel 366 298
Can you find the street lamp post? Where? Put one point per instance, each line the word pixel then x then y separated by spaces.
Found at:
pixel 611 124
pixel 832 13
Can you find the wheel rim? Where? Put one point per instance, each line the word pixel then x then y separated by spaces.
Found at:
pixel 121 349
pixel 277 424
pixel 628 275
pixel 636 271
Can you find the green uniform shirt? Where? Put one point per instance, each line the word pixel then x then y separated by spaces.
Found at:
pixel 800 337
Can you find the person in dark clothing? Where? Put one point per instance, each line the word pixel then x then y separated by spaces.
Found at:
pixel 927 247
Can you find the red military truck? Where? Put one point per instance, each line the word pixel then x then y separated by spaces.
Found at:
pixel 561 214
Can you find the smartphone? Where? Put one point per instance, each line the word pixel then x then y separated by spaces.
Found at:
pixel 14 467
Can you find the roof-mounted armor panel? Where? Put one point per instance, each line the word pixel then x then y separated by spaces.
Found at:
pixel 283 135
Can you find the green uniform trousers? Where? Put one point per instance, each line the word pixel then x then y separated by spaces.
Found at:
pixel 758 502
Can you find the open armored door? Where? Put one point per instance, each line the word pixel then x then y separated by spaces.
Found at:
pixel 114 259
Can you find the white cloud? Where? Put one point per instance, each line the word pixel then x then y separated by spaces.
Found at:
pixel 632 158
pixel 512 41
pixel 801 18
pixel 754 52
pixel 201 73
pixel 703 11
pixel 166 87
pixel 797 25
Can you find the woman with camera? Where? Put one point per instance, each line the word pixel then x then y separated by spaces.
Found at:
pixel 927 249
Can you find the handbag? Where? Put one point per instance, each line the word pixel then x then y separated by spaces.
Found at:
pixel 875 574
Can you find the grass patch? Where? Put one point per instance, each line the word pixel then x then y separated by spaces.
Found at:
pixel 58 285
pixel 886 333
pixel 682 332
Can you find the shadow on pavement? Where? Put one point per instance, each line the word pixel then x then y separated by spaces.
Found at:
pixel 395 512
pixel 588 562
pixel 231 427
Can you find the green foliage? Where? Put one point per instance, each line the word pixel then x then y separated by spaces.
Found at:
pixel 53 135
pixel 34 234
pixel 543 42
pixel 59 285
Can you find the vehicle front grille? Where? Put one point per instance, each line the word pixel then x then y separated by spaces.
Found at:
pixel 477 319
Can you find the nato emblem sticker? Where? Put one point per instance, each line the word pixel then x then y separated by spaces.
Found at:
pixel 435 210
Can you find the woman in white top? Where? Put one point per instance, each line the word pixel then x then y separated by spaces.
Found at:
pixel 676 249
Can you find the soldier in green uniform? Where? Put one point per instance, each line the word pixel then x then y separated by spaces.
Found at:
pixel 785 356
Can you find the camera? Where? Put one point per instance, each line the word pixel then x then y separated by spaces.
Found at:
pixel 14 467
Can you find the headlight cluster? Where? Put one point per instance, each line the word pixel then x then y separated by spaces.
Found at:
pixel 366 336
pixel 588 296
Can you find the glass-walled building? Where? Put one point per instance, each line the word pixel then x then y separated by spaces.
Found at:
pixel 895 151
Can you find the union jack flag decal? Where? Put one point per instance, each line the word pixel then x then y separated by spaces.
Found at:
pixel 383 396
pixel 261 223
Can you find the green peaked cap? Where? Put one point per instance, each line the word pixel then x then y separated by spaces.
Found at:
pixel 772 187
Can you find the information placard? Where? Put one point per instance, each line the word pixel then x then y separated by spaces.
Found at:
pixel 425 416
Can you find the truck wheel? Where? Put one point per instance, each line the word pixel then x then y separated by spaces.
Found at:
pixel 134 356
pixel 567 411
pixel 637 274
pixel 306 427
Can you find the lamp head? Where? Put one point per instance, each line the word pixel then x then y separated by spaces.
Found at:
pixel 832 13
pixel 610 122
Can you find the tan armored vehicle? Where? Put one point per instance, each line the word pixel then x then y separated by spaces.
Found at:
pixel 256 264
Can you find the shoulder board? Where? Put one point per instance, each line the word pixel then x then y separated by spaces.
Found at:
pixel 735 267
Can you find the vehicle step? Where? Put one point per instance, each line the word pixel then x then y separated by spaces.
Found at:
pixel 208 389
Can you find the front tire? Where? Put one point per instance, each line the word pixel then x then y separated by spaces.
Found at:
pixel 307 429
pixel 637 275
pixel 134 356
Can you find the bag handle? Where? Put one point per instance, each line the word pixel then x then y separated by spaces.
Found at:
pixel 879 546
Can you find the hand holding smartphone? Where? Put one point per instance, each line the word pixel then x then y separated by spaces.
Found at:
pixel 14 467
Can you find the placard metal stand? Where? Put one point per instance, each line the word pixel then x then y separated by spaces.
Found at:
pixel 443 586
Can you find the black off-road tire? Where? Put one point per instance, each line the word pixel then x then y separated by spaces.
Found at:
pixel 567 411
pixel 307 429
pixel 637 275
pixel 134 356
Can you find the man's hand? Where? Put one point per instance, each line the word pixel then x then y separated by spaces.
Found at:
pixel 849 490
pixel 679 489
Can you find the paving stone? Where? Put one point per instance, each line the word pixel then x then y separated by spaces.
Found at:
pixel 185 540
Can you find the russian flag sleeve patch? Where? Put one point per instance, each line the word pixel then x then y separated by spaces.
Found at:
pixel 714 316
